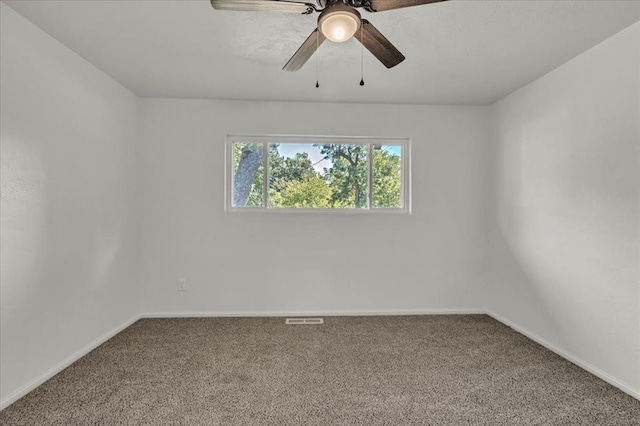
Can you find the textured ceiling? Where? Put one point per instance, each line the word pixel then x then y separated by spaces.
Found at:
pixel 458 52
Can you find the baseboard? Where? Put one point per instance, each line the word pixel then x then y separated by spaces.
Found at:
pixel 626 388
pixel 97 342
pixel 311 313
pixel 64 364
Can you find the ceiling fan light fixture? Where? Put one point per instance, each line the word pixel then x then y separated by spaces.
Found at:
pixel 339 22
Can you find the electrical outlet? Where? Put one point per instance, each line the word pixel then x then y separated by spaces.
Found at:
pixel 182 284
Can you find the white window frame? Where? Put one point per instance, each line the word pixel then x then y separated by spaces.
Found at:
pixel 405 172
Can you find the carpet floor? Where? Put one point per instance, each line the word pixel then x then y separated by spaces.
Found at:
pixel 401 370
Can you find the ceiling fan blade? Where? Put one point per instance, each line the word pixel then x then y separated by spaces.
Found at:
pixel 378 45
pixel 264 6
pixel 305 51
pixel 381 5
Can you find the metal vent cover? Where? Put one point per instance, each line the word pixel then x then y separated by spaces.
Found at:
pixel 308 321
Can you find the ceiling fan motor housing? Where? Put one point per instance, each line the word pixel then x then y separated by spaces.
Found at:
pixel 338 22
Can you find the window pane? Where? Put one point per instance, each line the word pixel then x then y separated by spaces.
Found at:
pixel 387 176
pixel 305 175
pixel 248 174
pixel 296 176
pixel 348 174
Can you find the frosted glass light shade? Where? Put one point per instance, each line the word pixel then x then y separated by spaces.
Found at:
pixel 339 22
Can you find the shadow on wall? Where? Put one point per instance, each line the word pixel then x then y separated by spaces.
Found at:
pixel 531 168
pixel 58 243
pixel 562 256
pixel 24 223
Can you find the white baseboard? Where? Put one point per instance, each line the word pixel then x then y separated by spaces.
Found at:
pixel 311 313
pixel 626 388
pixel 97 342
pixel 64 364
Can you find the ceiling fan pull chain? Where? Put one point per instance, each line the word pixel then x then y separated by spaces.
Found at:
pixel 361 53
pixel 317 59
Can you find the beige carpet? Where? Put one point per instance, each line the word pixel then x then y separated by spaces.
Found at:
pixel 415 370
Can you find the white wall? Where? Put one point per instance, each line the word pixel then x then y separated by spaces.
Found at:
pixel 69 185
pixel 273 263
pixel 565 258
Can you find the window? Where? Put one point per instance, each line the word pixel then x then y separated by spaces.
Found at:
pixel 317 174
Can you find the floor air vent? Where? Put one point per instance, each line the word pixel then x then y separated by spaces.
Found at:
pixel 292 321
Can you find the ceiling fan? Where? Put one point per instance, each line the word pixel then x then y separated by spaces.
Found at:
pixel 339 20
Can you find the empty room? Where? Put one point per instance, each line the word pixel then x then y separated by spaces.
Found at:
pixel 320 212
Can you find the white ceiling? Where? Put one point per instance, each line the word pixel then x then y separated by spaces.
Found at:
pixel 458 52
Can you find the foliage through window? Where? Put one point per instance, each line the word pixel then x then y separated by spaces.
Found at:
pixel 318 173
